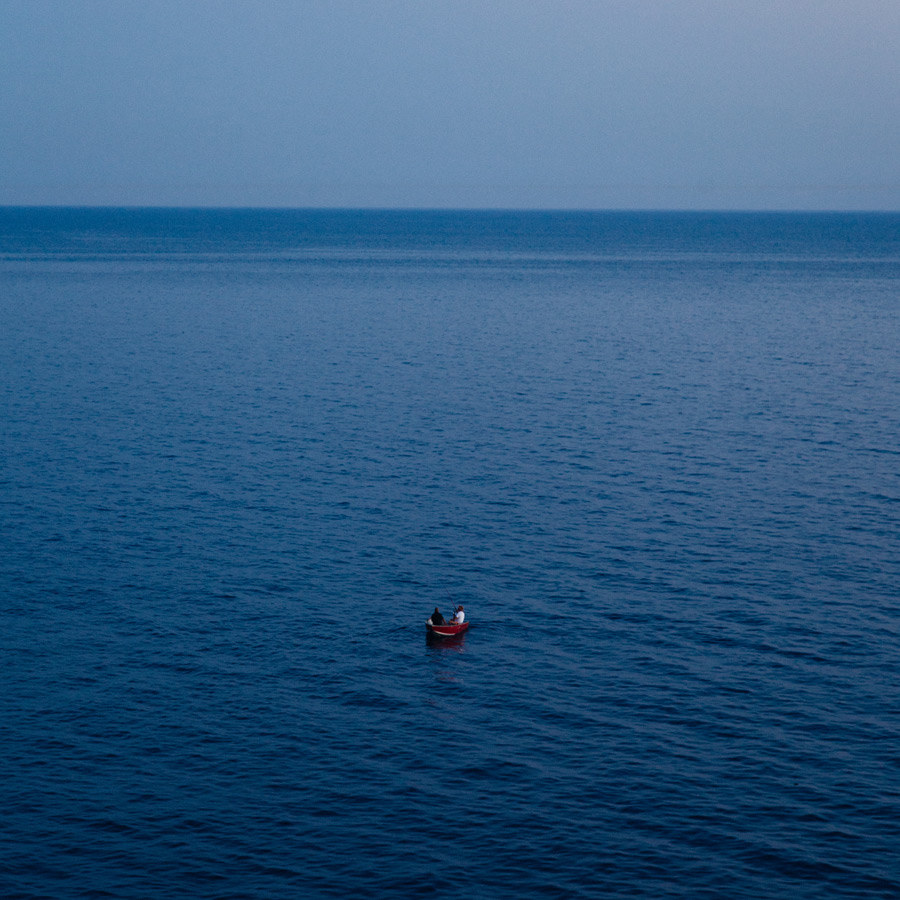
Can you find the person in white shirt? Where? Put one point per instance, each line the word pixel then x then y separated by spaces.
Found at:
pixel 460 616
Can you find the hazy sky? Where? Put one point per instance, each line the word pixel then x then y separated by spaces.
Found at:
pixel 467 103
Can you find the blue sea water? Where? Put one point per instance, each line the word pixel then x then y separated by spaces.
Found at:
pixel 245 453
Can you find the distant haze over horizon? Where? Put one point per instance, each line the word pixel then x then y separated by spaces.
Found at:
pixel 461 210
pixel 511 104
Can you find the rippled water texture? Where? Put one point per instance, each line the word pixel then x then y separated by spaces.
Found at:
pixel 246 453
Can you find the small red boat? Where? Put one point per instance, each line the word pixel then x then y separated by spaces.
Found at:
pixel 445 630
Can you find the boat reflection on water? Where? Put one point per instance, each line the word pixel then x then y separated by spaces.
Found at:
pixel 449 636
pixel 438 648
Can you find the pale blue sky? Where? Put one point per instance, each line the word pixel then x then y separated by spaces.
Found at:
pixel 727 104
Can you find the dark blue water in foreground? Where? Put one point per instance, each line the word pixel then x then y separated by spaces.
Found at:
pixel 244 454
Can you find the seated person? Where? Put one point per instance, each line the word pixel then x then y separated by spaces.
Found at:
pixel 460 616
pixel 436 618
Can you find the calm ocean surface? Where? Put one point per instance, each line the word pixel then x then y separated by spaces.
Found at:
pixel 245 453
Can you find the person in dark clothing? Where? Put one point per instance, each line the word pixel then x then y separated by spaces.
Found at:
pixel 437 618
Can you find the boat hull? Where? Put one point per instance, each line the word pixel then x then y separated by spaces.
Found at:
pixel 446 630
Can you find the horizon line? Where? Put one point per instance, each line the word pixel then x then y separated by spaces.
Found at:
pixel 456 209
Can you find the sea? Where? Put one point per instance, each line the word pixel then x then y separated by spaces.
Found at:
pixel 246 453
